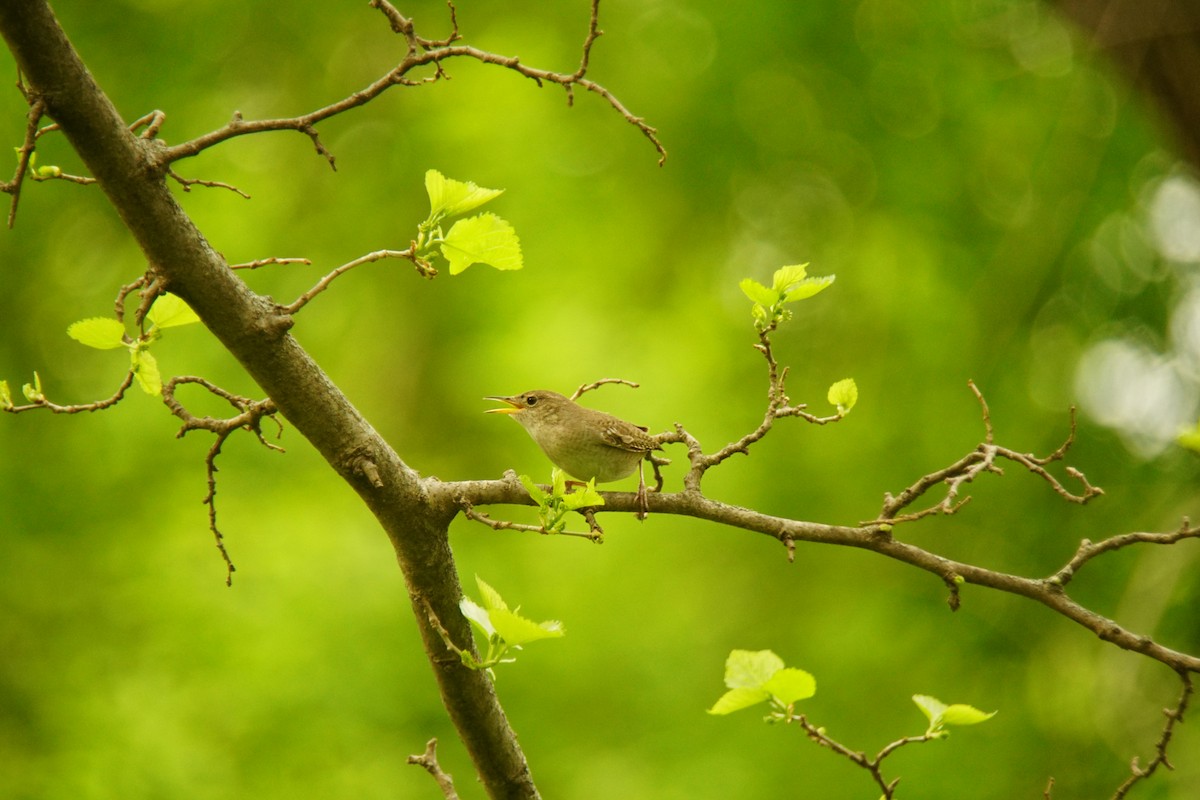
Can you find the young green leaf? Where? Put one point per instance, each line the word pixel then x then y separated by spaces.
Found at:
pixel 482 239
pixel 583 497
pixel 477 615
pixel 33 391
pixel 491 598
pixel 535 492
pixel 102 333
pixel 5 395
pixel 785 277
pixel 807 288
pixel 449 197
pixel 959 714
pixel 843 395
pixel 940 715
pixel 758 293
pixel 558 483
pixel 145 369
pixel 516 630
pixel 1190 438
pixel 737 699
pixel 750 669
pixel 790 684
pixel 931 707
pixel 170 311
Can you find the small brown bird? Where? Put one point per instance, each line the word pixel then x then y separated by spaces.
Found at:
pixel 583 442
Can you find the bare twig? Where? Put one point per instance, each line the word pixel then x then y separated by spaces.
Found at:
pixel 422 266
pixel 250 419
pixel 24 154
pixel 188 183
pixel 778 406
pixel 595 534
pixel 1089 549
pixel 428 761
pixel 1173 716
pixel 587 387
pixel 40 401
pixel 153 122
pixel 981 460
pixel 421 52
pixel 265 262
pixel 872 765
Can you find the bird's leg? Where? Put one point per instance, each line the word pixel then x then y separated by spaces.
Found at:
pixel 642 500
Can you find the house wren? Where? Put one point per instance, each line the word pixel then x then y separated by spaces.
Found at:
pixel 582 442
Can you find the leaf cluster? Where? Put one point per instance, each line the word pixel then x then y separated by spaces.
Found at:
pixel 788 285
pixel 554 505
pixel 480 239
pixel 504 629
pixel 108 333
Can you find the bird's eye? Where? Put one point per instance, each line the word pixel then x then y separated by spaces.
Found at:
pixel 531 401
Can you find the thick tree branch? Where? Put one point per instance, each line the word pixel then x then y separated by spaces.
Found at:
pixel 131 172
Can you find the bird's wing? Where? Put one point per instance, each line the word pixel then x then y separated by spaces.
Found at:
pixel 627 437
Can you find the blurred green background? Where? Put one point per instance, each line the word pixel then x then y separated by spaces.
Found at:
pixel 997 204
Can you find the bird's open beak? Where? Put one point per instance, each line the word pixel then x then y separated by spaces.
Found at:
pixel 514 406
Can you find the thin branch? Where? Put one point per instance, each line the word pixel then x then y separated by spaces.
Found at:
pixel 421 52
pixel 250 419
pixel 595 534
pixel 428 761
pixel 587 387
pixel 1173 716
pixel 1089 549
pixel 24 154
pixel 973 464
pixel 188 183
pixel 152 121
pixel 872 765
pixel 778 407
pixel 265 262
pixel 39 401
pixel 422 267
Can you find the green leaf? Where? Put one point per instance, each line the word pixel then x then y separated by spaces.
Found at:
pixel 33 392
pixel 931 707
pixel 785 277
pixel 5 395
pixel 584 497
pixel 516 630
pixel 807 288
pixel 750 669
pixel 48 171
pixel 737 699
pixel 102 333
pixel 449 197
pixel 1190 438
pixel 790 684
pixel 482 239
pixel 758 293
pixel 170 311
pixel 478 616
pixel 959 714
pixel 491 598
pixel 535 492
pixel 843 395
pixel 145 369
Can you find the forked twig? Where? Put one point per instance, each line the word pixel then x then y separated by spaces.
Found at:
pixel 428 761
pixel 982 459
pixel 250 419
